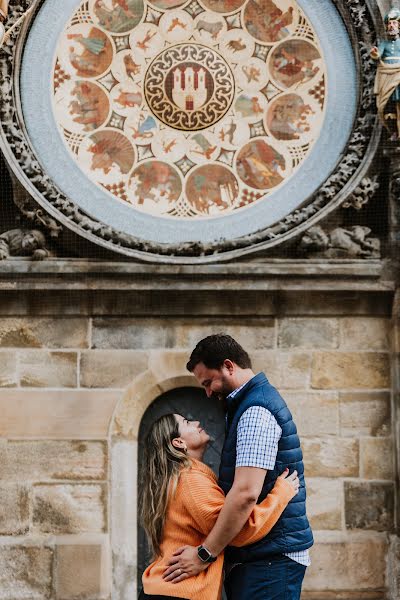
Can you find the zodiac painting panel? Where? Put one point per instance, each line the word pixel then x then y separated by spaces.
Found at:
pixel 189 109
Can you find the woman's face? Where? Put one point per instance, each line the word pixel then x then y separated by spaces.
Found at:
pixel 193 435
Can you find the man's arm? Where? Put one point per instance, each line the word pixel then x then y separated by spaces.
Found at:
pixel 238 505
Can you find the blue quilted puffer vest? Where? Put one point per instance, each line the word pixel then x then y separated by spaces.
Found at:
pixel 292 532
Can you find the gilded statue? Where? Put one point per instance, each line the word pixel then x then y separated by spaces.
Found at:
pixel 387 82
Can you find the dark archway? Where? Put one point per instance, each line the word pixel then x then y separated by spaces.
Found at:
pixel 193 404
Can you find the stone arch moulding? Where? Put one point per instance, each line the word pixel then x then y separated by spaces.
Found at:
pixel 248 231
pixel 166 372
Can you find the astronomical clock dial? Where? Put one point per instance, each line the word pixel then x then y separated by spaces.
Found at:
pixel 189 109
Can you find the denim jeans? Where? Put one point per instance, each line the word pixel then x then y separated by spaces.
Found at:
pixel 275 578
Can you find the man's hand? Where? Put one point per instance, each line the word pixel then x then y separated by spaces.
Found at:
pixel 184 564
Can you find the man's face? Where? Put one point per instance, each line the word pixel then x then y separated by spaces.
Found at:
pixel 393 27
pixel 216 382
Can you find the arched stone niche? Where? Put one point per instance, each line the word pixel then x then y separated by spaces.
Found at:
pixel 166 372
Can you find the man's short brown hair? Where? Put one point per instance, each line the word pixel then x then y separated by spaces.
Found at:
pixel 214 349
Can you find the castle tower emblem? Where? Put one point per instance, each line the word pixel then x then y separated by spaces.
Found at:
pixel 194 92
pixel 189 91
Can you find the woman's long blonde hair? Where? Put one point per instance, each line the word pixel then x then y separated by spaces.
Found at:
pixel 161 467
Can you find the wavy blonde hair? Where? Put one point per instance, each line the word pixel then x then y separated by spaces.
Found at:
pixel 160 472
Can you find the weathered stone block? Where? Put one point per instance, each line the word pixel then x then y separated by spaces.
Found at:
pixel 25 573
pixel 347 564
pixel 254 334
pixel 68 508
pixel 364 413
pixel 364 333
pixel 295 370
pixel 331 457
pixel 325 503
pixel 111 368
pixel 14 509
pixel 50 414
pixel 335 370
pixel 8 367
pixel 83 569
pixel 369 505
pixel 315 413
pixel 376 458
pixel 48 369
pixel 41 461
pixel 143 334
pixel 44 333
pixel 268 362
pixel 308 333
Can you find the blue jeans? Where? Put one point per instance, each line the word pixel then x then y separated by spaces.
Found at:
pixel 275 578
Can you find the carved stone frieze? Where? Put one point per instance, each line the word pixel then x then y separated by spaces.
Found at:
pixel 363 193
pixel 340 242
pixel 341 185
pixel 23 242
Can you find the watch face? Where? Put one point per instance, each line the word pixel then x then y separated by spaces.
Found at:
pixel 203 554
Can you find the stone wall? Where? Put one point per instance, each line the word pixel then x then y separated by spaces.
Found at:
pixel 63 478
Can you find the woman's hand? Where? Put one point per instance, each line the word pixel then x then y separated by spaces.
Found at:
pixel 293 479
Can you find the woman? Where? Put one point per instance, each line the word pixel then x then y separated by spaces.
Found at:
pixel 181 502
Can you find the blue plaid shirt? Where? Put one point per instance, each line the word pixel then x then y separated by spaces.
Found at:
pixel 258 434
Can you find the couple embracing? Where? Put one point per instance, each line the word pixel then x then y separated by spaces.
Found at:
pixel 251 524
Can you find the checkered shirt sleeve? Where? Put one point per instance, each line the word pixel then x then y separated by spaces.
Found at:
pixel 258 434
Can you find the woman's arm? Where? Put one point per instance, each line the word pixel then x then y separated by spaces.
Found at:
pixel 204 499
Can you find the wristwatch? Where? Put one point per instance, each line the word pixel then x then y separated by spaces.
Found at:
pixel 205 555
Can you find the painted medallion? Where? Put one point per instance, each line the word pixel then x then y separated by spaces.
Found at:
pixel 189 109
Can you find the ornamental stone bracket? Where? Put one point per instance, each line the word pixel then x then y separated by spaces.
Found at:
pixel 348 185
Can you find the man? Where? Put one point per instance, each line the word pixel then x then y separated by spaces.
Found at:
pixel 261 441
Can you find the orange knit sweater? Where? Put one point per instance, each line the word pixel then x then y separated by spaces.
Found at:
pixel 191 514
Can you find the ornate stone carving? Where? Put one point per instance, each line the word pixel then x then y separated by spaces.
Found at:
pixel 352 168
pixel 340 242
pixel 363 193
pixel 23 242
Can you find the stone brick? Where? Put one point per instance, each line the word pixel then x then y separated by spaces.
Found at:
pixel 364 413
pixel 331 457
pixel 324 503
pixel 315 413
pixel 308 333
pixel 44 333
pixel 68 508
pixel 363 333
pixel 295 370
pixel 8 367
pixel 111 368
pixel 267 361
pixel 335 370
pixel 152 334
pixel 42 461
pixel 25 573
pixel 48 369
pixel 83 569
pixel 50 414
pixel 369 505
pixel 347 564
pixel 14 509
pixel 376 458
pixel 254 334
